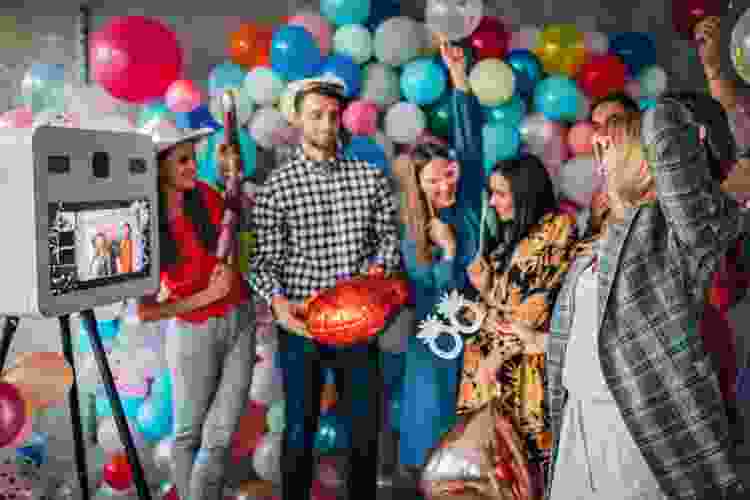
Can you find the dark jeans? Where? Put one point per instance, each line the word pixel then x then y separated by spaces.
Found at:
pixel 359 387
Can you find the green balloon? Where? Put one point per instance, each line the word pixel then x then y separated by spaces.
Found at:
pixel 275 417
pixel 441 118
pixel 153 113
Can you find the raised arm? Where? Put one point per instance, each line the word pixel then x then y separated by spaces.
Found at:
pixel 704 219
pixel 270 232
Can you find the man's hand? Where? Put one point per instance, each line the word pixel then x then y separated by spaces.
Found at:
pixel 532 339
pixel 291 316
pixel 228 157
pixel 708 34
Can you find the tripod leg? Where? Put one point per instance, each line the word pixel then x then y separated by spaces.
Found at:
pixel 9 329
pixel 114 400
pixel 75 408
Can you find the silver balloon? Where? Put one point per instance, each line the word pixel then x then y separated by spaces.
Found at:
pixel 267 458
pixel 740 46
pixel 455 19
pixel 450 464
pixel 163 454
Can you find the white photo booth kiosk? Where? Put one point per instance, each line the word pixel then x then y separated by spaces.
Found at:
pixel 79 211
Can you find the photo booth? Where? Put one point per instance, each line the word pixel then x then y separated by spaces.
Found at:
pixel 79 214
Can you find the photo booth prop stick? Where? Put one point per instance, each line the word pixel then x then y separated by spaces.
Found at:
pixel 451 307
pixel 83 28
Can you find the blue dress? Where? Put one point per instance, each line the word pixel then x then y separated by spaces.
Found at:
pixel 430 384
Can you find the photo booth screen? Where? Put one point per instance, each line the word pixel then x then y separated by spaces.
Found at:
pixel 98 244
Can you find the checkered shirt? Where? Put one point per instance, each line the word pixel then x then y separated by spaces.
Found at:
pixel 318 222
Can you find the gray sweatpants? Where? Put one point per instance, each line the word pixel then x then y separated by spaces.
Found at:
pixel 212 366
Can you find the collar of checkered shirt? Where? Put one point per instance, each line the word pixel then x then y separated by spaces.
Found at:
pixel 336 163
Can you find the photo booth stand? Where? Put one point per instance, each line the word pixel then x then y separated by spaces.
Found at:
pixel 68 197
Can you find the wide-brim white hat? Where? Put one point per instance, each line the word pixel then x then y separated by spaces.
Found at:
pixel 165 140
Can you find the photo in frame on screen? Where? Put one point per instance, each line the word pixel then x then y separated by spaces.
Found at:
pixel 96 244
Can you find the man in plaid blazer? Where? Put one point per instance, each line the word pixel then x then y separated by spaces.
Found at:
pixel 654 268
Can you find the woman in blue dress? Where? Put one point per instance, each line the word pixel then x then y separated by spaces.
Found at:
pixel 441 213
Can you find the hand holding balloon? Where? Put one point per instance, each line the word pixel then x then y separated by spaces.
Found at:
pixel 708 34
pixel 453 56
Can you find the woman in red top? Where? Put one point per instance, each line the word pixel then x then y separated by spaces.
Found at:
pixel 210 348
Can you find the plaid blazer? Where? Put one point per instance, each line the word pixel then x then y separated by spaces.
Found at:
pixel 654 271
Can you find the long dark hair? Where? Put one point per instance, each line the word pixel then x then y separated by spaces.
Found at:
pixel 195 210
pixel 533 197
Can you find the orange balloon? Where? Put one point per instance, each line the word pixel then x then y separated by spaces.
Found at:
pixel 44 378
pixel 250 45
pixel 328 397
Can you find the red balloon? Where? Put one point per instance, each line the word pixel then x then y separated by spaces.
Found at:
pixel 686 14
pixel 602 74
pixel 13 413
pixel 490 39
pixel 117 473
pixel 135 58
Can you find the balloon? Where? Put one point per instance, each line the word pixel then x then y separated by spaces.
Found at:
pixel 492 81
pixel 22 117
pixel 578 180
pixel 423 81
pixel 579 138
pixel 109 438
pixel 250 45
pixel 653 80
pixel 686 14
pixel 537 131
pixel 366 149
pixel 440 117
pixel 452 18
pixel 294 53
pixel 596 42
pixel 382 10
pixel 44 378
pixel 155 421
pixel 380 85
pixel 117 473
pixel 561 49
pixel 558 98
pixel 342 12
pixel 317 26
pixel 398 40
pixel 345 69
pixel 332 435
pixel 267 457
pixel 183 96
pixel 490 40
pixel 225 76
pixel 361 118
pixel 131 406
pixel 275 417
pixel 601 75
pixel 404 122
pixel 163 454
pixel 135 58
pixel 34 450
pixel 200 117
pixel 526 38
pixel 267 386
pixel 250 430
pixel 637 50
pixel 388 147
pixel 510 113
pixel 526 68
pixel 355 41
pixel 43 87
pixel 265 126
pixel 739 47
pixel 501 142
pixel 244 106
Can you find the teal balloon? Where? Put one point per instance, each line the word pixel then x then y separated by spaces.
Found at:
pixel 130 406
pixel 154 421
pixel 558 98
pixel 153 113
pixel 108 332
pixel 161 390
pixel 43 88
pixel 332 435
pixel 440 117
pixel 225 76
pixel 355 41
pixel 342 12
pixel 510 113
pixel 423 81
pixel 275 417
pixel 526 68
pixel 207 168
pixel 501 142
pixel 645 103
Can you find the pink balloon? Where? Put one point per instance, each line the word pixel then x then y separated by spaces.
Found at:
pixel 361 118
pixel 320 492
pixel 21 117
pixel 13 417
pixel 183 96
pixel 579 138
pixel 318 27
pixel 633 89
pixel 135 58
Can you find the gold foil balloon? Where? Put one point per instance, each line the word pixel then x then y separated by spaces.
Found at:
pixel 561 49
pixel 740 47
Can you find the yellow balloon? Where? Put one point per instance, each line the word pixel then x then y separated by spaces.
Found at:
pixel 11 37
pixel 492 81
pixel 561 49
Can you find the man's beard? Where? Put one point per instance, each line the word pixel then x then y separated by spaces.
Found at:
pixel 327 146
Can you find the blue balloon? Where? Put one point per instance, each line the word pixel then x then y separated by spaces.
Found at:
pixel 526 68
pixel 558 98
pixel 363 148
pixel 423 81
pixel 343 12
pixel 510 113
pixel 501 142
pixel 294 53
pixel 225 76
pixel 47 72
pixel 344 68
pixel 645 103
pixel 381 10
pixel 130 406
pixel 154 422
pixel 198 118
pixel 332 435
pixel 33 450
pixel 108 331
pixel 637 50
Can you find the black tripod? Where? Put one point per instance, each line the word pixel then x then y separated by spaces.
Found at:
pixel 9 329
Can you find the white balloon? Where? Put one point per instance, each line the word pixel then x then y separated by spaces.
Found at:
pixel 527 37
pixel 266 125
pixel 455 19
pixel 381 85
pixel 398 40
pixel 578 179
pixel 267 386
pixel 267 457
pixel 263 86
pixel 388 147
pixel 405 122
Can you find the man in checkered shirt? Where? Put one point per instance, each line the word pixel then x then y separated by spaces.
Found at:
pixel 321 217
